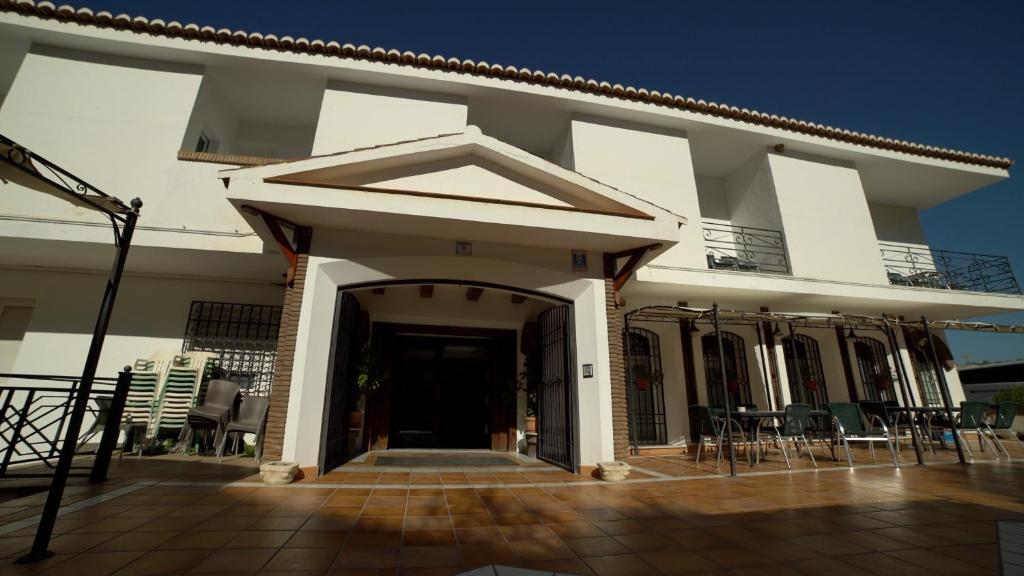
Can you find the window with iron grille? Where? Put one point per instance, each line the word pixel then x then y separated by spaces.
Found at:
pixel 244 336
pixel 875 373
pixel 737 379
pixel 804 361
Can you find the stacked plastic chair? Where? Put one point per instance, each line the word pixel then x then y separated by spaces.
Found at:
pixel 179 390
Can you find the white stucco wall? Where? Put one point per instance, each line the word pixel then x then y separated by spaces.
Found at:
pixel 150 315
pixel 753 199
pixel 829 232
pixel 356 116
pixel 652 163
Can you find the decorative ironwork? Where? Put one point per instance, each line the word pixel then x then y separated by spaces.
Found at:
pixel 646 388
pixel 924 372
pixel 876 376
pixel 745 249
pixel 923 267
pixel 805 362
pixel 34 414
pixel 737 376
pixel 244 337
pixel 556 423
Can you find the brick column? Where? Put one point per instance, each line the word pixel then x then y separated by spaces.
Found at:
pixel 273 437
pixel 617 364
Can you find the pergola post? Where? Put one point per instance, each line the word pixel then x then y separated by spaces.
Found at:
pixel 901 375
pixel 944 389
pixel 630 405
pixel 725 389
pixel 762 344
pixel 48 519
pixel 792 350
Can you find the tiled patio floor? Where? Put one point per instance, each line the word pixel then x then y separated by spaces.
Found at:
pixel 873 520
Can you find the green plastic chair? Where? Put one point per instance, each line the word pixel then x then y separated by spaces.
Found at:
pixel 1006 412
pixel 850 425
pixel 710 426
pixel 795 422
pixel 972 419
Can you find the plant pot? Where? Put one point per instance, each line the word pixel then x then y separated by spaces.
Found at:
pixel 531 424
pixel 355 419
pixel 613 471
pixel 278 473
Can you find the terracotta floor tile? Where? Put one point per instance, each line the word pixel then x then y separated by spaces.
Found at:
pixel 135 541
pixel 428 538
pixel 367 557
pixel 576 530
pixel 291 559
pixel 418 556
pixel 598 546
pixel 526 532
pixel 644 542
pixel 430 570
pixel 163 562
pixel 551 549
pixel 386 539
pixel 328 523
pixel 563 566
pixel 197 540
pixel 621 565
pixel 515 519
pixel 478 534
pixel 382 510
pixel 483 553
pixel 73 543
pixel 884 565
pixel 94 563
pixel 235 560
pixel 829 544
pixel 735 556
pixel 472 521
pixel 829 566
pixel 939 563
pixel 278 523
pixel 781 550
pixel 678 561
pixel 260 539
pixel 428 523
pixel 317 539
pixel 379 524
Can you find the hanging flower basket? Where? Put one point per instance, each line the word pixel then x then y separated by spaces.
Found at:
pixel 732 384
pixel 811 385
pixel 643 384
pixel 883 383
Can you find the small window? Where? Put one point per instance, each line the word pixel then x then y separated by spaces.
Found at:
pixel 204 144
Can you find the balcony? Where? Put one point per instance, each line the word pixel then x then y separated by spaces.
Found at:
pixel 914 265
pixel 745 249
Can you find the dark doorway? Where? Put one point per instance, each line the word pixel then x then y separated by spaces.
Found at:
pixel 442 390
pixel 449 387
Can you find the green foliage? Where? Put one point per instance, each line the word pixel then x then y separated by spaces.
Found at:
pixel 1015 394
pixel 373 370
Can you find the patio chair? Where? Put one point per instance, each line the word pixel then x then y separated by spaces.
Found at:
pixel 1006 412
pixel 140 404
pixel 794 425
pixel 214 413
pixel 714 427
pixel 178 393
pixel 877 408
pixel 848 425
pixel 251 419
pixel 972 419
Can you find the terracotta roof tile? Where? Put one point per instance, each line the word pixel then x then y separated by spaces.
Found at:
pixel 104 19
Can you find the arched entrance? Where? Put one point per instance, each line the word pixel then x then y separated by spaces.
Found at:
pixel 444 364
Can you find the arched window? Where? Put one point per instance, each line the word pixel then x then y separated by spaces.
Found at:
pixel 737 379
pixel 927 380
pixel 646 389
pixel 875 375
pixel 803 368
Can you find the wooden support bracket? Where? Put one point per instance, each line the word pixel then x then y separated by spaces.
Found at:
pixel 290 249
pixel 623 274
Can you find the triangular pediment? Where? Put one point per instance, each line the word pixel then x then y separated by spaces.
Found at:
pixel 467 166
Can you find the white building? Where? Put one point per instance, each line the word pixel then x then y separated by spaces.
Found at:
pixel 477 218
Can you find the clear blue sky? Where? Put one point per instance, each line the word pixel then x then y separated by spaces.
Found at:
pixel 939 72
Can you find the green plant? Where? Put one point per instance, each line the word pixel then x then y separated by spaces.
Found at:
pixel 373 371
pixel 1015 394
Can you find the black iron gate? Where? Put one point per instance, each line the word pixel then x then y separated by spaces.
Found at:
pixel 556 400
pixel 646 390
pixel 346 341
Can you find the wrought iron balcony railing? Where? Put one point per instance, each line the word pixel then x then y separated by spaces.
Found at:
pixel 927 268
pixel 745 249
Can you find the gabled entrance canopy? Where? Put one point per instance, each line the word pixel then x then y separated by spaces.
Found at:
pixel 461 186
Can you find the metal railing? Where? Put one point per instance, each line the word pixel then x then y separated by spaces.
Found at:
pixel 908 265
pixel 745 249
pixel 34 414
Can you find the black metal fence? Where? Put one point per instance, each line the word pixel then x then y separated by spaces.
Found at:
pixel 34 414
pixel 923 267
pixel 745 249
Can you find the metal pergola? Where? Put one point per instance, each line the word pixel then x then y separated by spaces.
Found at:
pixel 886 324
pixel 21 166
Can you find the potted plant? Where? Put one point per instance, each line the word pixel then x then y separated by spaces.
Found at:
pixel 883 382
pixel 372 373
pixel 644 377
pixel 811 384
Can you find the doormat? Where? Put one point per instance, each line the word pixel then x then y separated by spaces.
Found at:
pixel 443 460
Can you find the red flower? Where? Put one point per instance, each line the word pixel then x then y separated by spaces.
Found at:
pixel 811 385
pixel 733 384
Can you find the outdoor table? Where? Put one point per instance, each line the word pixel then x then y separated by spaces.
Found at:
pixel 754 417
pixel 926 412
